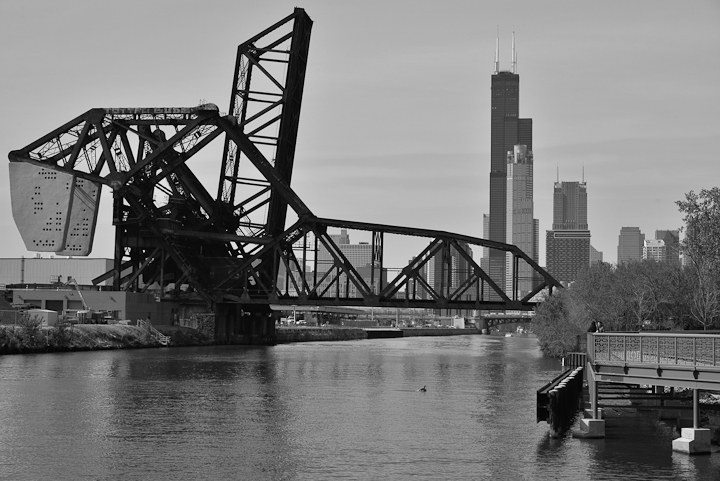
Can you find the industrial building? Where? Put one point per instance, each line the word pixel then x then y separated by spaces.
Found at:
pixel 66 283
pixel 53 270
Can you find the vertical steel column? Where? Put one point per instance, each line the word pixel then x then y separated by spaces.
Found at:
pixel 482 289
pixel 304 266
pixel 696 409
pixel 372 262
pixel 119 228
pixel 516 276
pixel 377 259
pixel 315 262
pixel 162 271
pixel 443 268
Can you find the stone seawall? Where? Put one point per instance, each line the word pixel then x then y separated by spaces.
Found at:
pixel 307 334
pixel 438 332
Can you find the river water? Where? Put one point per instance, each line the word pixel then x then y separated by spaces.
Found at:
pixel 307 411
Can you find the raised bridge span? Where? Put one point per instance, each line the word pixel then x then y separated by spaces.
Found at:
pixel 248 241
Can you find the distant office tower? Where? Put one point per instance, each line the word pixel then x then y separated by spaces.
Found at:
pixel 567 245
pixel 506 131
pixel 654 249
pixel 457 271
pixel 595 255
pixel 486 235
pixel 570 206
pixel 359 255
pixel 485 259
pixel 671 238
pixel 520 224
pixel 630 244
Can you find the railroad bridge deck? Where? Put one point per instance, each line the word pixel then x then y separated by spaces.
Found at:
pixel 252 242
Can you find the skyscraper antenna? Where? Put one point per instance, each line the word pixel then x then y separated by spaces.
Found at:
pixel 514 55
pixel 583 173
pixel 497 50
pixel 558 173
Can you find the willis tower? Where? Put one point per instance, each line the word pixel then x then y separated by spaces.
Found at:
pixel 506 131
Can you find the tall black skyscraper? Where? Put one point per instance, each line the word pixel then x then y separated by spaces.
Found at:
pixel 506 131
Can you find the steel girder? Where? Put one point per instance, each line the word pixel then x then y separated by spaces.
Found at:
pixel 141 154
pixel 304 282
pixel 267 108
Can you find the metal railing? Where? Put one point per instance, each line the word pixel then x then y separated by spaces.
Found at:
pixel 157 335
pixel 656 349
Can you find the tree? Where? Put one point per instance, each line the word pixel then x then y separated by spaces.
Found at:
pixel 702 246
pixel 589 295
pixel 556 332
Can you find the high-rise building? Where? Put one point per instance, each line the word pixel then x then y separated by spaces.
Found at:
pixel 570 206
pixel 567 245
pixel 671 238
pixel 360 257
pixel 654 249
pixel 520 224
pixel 506 131
pixel 595 255
pixel 457 270
pixel 630 244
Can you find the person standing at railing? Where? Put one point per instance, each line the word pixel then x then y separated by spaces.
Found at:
pixel 593 327
pixel 600 327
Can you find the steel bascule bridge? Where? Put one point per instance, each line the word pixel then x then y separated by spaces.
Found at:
pixel 248 242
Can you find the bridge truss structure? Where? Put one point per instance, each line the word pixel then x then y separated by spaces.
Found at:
pixel 250 240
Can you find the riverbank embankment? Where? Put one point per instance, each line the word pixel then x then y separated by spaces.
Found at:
pixel 309 334
pixel 26 339
pixel 285 335
pixel 440 331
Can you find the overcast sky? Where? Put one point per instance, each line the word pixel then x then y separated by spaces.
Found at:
pixel 395 122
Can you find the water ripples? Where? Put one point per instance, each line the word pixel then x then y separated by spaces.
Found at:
pixel 310 411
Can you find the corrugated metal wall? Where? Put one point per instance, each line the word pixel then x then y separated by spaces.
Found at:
pixel 45 270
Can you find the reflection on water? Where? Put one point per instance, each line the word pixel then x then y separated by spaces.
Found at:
pixel 311 411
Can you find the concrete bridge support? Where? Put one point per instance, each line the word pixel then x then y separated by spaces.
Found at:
pixel 483 326
pixel 593 427
pixel 694 440
pixel 244 324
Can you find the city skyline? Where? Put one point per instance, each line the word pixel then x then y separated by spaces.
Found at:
pixel 395 125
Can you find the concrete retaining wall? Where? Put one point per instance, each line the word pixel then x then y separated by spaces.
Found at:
pixel 306 334
pixel 438 332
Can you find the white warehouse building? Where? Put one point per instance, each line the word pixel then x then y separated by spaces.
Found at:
pixel 50 270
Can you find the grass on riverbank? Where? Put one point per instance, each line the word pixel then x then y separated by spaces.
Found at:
pixel 30 337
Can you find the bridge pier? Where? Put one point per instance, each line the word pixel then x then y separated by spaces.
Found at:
pixel 594 427
pixel 694 440
pixel 244 324
pixel 482 325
